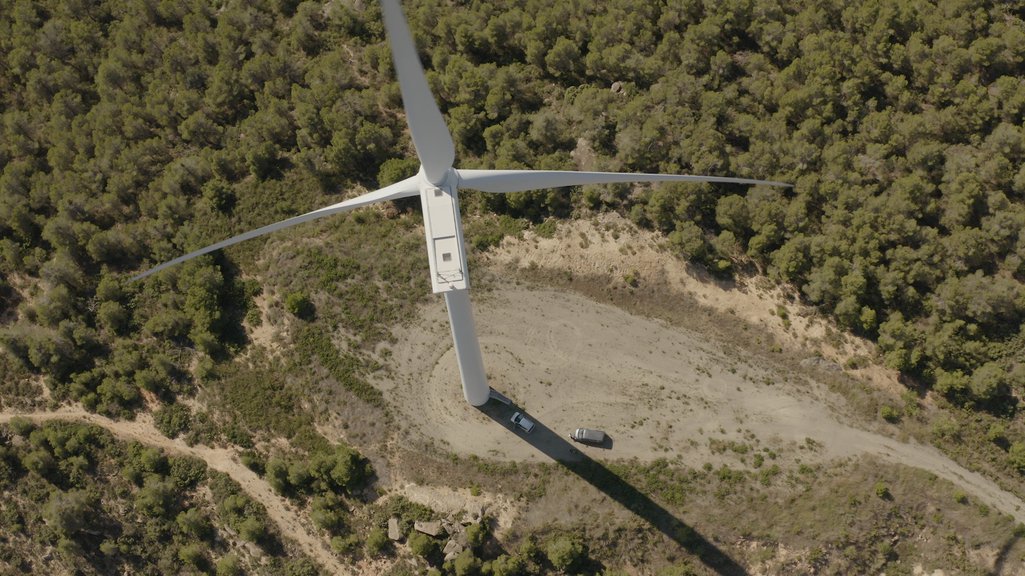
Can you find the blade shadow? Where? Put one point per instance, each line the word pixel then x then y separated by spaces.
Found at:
pixel 562 451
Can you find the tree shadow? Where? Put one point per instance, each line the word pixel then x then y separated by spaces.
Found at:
pixel 1005 551
pixel 562 451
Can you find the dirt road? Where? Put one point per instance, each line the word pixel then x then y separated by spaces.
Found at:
pixel 220 459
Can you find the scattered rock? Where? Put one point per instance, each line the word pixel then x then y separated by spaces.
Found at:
pixel 451 527
pixel 617 87
pixel 821 363
pixel 453 549
pixel 432 528
pixel 253 550
pixel 473 515
pixel 393 529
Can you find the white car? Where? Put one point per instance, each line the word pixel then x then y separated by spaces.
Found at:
pixel 522 422
pixel 588 436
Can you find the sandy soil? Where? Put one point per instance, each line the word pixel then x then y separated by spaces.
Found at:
pixel 658 390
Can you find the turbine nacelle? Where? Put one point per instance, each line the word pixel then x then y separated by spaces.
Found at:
pixel 445 248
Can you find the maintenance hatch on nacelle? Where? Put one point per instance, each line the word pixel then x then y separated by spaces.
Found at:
pixel 446 254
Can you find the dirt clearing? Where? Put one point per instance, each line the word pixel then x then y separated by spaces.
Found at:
pixel 659 390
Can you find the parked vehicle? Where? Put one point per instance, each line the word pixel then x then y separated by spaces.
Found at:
pixel 588 436
pixel 522 422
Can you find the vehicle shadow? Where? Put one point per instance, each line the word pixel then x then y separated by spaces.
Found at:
pixel 562 451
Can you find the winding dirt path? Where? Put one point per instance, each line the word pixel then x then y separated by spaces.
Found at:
pixel 220 459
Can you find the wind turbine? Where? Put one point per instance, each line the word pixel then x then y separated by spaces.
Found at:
pixel 437 183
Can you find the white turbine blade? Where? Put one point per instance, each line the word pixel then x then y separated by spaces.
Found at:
pixel 403 189
pixel 523 180
pixel 431 137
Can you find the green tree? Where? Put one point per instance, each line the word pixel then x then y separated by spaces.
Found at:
pixel 566 552
pixel 68 513
pixel 421 544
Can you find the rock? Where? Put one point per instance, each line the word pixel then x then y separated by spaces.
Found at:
pixel 432 528
pixel 617 87
pixel 821 364
pixel 473 515
pixel 451 527
pixel 253 550
pixel 393 529
pixel 453 549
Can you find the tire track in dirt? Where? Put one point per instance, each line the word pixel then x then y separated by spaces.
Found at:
pixel 220 459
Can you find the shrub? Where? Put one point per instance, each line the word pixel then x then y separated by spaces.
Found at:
pixel 882 491
pixel 997 434
pixel 377 542
pixel 22 426
pixel 277 475
pixel 466 564
pixel 229 566
pixel 421 544
pixel 328 513
pixel 476 534
pixel 345 544
pixel 172 420
pixel 300 305
pixel 192 554
pixel 194 523
pixel 301 567
pixel 252 529
pixel 1016 456
pixel 506 565
pixel 565 552
pixel 890 414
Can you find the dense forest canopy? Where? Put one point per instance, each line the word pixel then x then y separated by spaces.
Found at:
pixel 136 130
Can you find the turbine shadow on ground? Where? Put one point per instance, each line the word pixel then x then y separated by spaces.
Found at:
pixel 556 447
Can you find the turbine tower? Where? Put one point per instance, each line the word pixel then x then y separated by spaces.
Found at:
pixel 437 183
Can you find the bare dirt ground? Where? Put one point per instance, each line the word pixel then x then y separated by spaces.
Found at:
pixel 659 390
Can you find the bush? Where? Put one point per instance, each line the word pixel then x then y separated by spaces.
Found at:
pixel 566 552
pixel 890 414
pixel 192 554
pixel 997 434
pixel 377 542
pixel 328 513
pixel 194 523
pixel 345 544
pixel 21 426
pixel 476 534
pixel 172 420
pixel 186 472
pixel 882 491
pixel 277 475
pixel 1016 456
pixel 300 305
pixel 253 529
pixel 301 567
pixel 466 564
pixel 229 566
pixel 421 544
pixel 506 565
